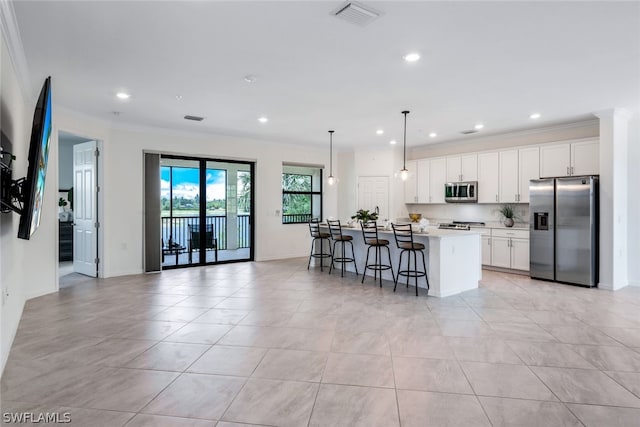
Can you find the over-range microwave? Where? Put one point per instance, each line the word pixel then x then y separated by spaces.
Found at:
pixel 461 192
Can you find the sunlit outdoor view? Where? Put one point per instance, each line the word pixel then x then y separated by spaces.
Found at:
pixel 301 194
pixel 227 197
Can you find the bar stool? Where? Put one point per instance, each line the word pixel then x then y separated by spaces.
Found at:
pixel 316 234
pixel 370 235
pixel 335 230
pixel 404 241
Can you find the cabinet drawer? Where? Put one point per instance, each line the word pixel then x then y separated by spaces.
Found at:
pixel 517 234
pixel 482 231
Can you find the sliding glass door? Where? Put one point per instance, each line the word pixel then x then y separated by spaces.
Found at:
pixel 206 209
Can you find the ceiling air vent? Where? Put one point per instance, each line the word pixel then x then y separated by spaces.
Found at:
pixel 356 13
pixel 194 118
pixel 467 132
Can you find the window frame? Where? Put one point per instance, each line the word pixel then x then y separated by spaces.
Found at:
pixel 311 193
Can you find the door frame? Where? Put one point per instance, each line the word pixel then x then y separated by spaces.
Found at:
pixel 252 226
pixel 99 198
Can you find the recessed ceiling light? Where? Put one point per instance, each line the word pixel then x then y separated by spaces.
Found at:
pixel 393 142
pixel 433 135
pixel 535 116
pixel 479 126
pixel 379 132
pixel 123 95
pixel 411 57
pixel 263 120
pixel 250 78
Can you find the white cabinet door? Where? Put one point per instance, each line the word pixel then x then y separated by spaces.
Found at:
pixel 486 250
pixel 508 176
pixel 488 178
pixel 423 181
pixel 555 160
pixel 585 157
pixel 410 188
pixel 454 171
pixel 500 252
pixel 437 179
pixel 528 169
pixel 520 254
pixel 469 167
pixel 373 192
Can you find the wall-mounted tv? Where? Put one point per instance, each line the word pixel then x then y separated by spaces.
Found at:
pixel 33 187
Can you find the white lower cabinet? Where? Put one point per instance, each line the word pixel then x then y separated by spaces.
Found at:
pixel 507 249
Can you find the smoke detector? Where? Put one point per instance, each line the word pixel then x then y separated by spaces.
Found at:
pixel 356 13
pixel 194 118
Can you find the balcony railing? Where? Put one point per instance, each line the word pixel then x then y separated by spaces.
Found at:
pixel 296 218
pixel 176 230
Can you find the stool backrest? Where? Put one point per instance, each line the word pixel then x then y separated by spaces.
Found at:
pixel 369 232
pixel 402 233
pixel 335 229
pixel 314 227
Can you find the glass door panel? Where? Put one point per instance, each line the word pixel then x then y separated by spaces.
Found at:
pixel 180 212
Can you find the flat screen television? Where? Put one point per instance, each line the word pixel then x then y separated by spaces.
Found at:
pixel 33 187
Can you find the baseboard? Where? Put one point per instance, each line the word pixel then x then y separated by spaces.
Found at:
pixel 634 282
pixel 110 274
pixel 505 270
pixel 41 293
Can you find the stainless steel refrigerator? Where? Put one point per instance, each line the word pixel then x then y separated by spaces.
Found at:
pixel 564 229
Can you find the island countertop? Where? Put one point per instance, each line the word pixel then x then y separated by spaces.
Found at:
pixel 454 262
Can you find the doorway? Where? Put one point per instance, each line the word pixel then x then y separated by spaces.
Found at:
pixel 77 206
pixel 206 211
pixel 373 195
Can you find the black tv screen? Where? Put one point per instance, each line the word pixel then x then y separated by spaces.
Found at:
pixel 37 172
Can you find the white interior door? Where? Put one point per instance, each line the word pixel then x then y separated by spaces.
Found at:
pixel 373 191
pixel 85 241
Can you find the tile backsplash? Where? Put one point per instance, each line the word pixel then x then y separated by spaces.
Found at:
pixel 467 212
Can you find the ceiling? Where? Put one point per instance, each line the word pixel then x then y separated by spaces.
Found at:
pixel 481 62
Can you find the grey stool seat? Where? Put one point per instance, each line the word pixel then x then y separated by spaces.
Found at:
pixel 404 240
pixel 371 239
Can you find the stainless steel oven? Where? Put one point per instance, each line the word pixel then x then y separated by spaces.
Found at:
pixel 461 192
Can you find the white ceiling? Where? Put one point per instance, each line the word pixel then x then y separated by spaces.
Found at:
pixel 489 62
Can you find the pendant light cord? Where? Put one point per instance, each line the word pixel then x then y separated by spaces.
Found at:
pixel 331 153
pixel 404 156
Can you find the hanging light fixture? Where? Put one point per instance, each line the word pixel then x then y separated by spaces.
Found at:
pixel 404 173
pixel 331 179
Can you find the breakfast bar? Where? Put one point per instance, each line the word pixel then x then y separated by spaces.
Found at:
pixel 453 259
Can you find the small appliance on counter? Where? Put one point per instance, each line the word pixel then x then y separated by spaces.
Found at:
pixel 564 229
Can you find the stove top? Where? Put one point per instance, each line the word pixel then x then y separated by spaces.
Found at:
pixel 455 226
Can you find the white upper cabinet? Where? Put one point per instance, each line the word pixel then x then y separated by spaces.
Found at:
pixel 462 168
pixel 585 158
pixel 469 164
pixel 423 181
pixel 410 185
pixel 555 160
pixel 508 164
pixel 528 169
pixel 571 158
pixel 488 178
pixel 437 179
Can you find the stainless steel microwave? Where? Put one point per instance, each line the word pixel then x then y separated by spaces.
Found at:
pixel 461 192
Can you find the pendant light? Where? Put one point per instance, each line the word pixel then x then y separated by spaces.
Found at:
pixel 404 173
pixel 330 179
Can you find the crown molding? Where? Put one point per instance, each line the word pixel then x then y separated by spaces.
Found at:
pixel 621 113
pixel 11 35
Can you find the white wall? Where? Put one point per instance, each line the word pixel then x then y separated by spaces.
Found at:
pixel 19 280
pixel 634 201
pixel 122 187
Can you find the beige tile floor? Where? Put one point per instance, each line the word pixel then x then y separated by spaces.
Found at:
pixel 273 344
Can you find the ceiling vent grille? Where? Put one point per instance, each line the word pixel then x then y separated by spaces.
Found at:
pixel 467 132
pixel 194 118
pixel 356 13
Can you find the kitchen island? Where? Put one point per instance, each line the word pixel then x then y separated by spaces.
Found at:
pixel 453 259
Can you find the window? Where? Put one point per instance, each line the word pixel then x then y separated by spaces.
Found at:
pixel 301 194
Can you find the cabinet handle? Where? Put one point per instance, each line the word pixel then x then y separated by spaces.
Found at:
pixel 496 197
pixel 572 172
pixel 568 170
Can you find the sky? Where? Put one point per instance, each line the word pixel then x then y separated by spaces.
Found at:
pixel 186 183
